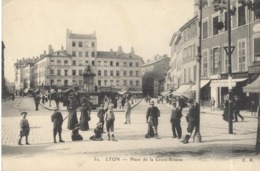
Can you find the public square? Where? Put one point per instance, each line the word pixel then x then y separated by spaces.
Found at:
pixel 131 145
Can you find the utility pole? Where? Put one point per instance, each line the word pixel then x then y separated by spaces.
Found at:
pixel 230 122
pixel 197 137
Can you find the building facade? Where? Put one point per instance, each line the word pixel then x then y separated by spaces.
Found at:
pixel 65 68
pixel 245 24
pixel 154 72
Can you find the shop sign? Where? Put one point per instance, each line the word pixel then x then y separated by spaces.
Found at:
pixel 235 75
pixel 105 89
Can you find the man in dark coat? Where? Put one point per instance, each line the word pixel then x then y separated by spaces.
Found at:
pixel 152 115
pixel 37 100
pixel 57 120
pixel 85 115
pixel 192 119
pixel 176 121
pixel 236 107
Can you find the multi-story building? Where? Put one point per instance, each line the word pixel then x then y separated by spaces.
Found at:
pixel 183 67
pixel 154 75
pixel 65 68
pixel 245 30
pixel 119 70
pixel 3 71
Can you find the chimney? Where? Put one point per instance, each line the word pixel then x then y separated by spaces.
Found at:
pixel 50 49
pixel 94 34
pixel 120 50
pixel 132 50
pixel 111 50
pixel 62 48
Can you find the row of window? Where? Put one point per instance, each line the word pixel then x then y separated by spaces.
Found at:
pixel 117 83
pixel 74 62
pixel 99 63
pixel 81 53
pixel 80 44
pixel 219 60
pixel 189 52
pixel 100 82
pixel 117 73
pixel 189 74
pixel 112 63
pixel 105 73
pixel 241 20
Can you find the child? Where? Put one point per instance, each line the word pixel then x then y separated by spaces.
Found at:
pixel 57 120
pixel 75 136
pixel 25 129
pixel 110 119
pixel 98 132
pixel 101 114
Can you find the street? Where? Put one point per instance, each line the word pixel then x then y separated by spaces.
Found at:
pixel 131 144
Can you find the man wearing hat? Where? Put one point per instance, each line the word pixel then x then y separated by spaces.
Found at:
pixel 127 111
pixel 192 119
pixel 110 119
pixel 25 129
pixel 236 107
pixel 152 115
pixel 57 120
pixel 176 121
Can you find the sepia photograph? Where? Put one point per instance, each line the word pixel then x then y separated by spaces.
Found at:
pixel 130 85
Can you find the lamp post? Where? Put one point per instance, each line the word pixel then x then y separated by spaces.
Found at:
pixel 197 137
pixel 50 94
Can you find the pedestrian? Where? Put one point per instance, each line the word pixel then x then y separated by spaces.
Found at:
pixel 24 129
pixel 110 119
pixel 97 133
pixel 253 108
pixel 227 104
pixel 212 104
pixel 236 107
pixel 57 121
pixel 127 112
pixel 37 100
pixel 119 102
pixel 101 115
pixel 72 117
pixel 123 102
pixel 176 121
pixel 43 100
pixel 75 136
pixel 85 115
pixel 13 96
pixel 57 99
pixel 106 103
pixel 192 119
pixel 152 115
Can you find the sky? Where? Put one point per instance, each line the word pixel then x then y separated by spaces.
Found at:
pixel 30 26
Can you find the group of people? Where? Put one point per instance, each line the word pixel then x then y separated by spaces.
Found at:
pixel 232 106
pixel 153 113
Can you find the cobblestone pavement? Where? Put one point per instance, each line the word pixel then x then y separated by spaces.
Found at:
pixel 131 146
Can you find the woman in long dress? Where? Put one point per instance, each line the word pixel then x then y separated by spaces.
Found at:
pixel 72 118
pixel 85 115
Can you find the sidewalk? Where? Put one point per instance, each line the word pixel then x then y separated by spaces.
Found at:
pixel 217 111
pixel 64 108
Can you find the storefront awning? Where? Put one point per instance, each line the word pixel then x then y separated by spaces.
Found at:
pixel 254 87
pixel 136 92
pixel 165 93
pixel 122 92
pixel 202 84
pixel 26 90
pixel 224 83
pixel 181 90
